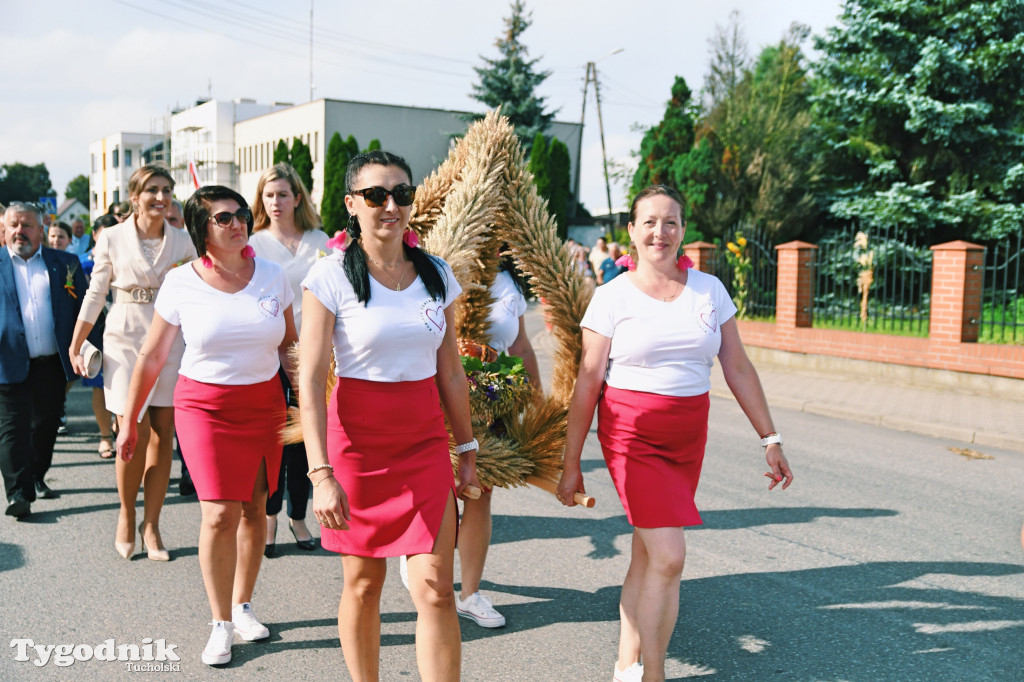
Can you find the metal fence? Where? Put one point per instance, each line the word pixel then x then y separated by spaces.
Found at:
pixel 761 281
pixel 876 281
pixel 1002 310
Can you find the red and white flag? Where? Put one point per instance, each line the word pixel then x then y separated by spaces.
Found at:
pixel 192 172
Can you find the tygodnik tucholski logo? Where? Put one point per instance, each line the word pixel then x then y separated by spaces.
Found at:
pixel 149 656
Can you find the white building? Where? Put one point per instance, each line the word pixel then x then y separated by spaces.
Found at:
pixel 205 134
pixel 113 159
pixel 422 136
pixel 232 143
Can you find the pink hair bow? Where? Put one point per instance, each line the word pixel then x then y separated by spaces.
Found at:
pixel 626 261
pixel 411 239
pixel 248 252
pixel 338 241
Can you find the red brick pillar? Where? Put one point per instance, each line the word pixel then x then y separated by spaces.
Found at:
pixel 794 296
pixel 958 270
pixel 702 254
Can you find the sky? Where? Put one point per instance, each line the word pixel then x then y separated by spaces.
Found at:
pixel 75 71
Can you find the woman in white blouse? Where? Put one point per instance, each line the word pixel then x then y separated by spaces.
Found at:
pixel 286 231
pixel 650 337
pixel 234 312
pixel 378 453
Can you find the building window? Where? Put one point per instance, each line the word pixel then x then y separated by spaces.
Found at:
pixel 316 144
pixel 127 158
pixel 117 196
pixel 113 158
pixel 92 162
pixel 95 201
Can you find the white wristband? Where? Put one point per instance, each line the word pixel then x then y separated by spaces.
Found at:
pixel 771 439
pixel 466 447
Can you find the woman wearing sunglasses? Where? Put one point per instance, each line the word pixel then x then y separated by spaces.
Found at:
pixel 234 313
pixel 131 260
pixel 378 453
pixel 286 231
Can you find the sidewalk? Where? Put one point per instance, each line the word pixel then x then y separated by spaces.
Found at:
pixel 993 419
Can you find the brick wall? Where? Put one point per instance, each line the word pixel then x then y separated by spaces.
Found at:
pixel 957 271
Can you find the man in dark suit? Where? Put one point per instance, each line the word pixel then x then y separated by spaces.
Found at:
pixel 41 292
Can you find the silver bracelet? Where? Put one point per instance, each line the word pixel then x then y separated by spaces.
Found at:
pixel 466 447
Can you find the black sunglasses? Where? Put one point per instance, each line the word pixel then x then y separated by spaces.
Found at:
pixel 376 197
pixel 223 218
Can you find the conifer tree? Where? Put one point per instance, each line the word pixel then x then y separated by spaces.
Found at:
pixel 558 192
pixel 332 205
pixel 510 81
pixel 302 162
pixel 281 153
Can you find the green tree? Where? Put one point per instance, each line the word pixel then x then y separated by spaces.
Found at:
pixel 281 153
pixel 332 205
pixel 374 146
pixel 668 155
pixel 20 182
pixel 302 162
pixel 920 109
pixel 538 165
pixel 78 188
pixel 510 81
pixel 558 174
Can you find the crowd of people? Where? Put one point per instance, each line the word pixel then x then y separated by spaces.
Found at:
pixel 195 308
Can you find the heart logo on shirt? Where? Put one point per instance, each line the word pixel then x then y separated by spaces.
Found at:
pixel 509 304
pixel 436 317
pixel 270 305
pixel 707 318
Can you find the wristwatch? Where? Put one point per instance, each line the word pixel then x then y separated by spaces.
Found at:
pixel 771 438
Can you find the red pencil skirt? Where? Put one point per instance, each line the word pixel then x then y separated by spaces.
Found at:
pixel 654 448
pixel 388 445
pixel 226 431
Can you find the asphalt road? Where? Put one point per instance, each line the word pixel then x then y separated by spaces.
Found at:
pixel 890 558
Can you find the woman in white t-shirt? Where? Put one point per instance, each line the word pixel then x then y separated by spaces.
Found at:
pixel 650 337
pixel 286 231
pixel 234 313
pixel 378 454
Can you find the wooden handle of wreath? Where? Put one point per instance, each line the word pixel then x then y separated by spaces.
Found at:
pixel 471 492
pixel 552 487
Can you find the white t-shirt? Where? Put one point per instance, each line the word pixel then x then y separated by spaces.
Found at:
pixel 230 339
pixel 661 347
pixel 395 336
pixel 296 266
pixel 503 317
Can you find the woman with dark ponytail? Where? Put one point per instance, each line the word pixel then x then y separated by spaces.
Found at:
pixel 378 453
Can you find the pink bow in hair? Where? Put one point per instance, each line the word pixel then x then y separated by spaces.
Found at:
pixel 248 252
pixel 626 261
pixel 338 241
pixel 684 262
pixel 411 239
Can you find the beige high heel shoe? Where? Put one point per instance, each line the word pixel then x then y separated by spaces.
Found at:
pixel 125 549
pixel 152 553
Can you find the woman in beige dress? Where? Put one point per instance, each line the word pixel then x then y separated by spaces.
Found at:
pixel 132 259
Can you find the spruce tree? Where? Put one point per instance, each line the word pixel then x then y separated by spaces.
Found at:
pixel 332 205
pixel 510 80
pixel 302 162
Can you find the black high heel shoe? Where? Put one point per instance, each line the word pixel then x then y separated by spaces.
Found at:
pixel 307 545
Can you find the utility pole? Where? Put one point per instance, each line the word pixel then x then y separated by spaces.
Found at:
pixel 592 77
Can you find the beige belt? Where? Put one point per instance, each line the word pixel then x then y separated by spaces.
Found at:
pixel 135 295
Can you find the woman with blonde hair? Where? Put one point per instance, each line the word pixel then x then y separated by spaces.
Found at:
pixel 286 231
pixel 131 260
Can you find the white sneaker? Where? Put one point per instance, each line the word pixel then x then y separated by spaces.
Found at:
pixel 479 608
pixel 218 647
pixel 246 625
pixel 403 570
pixel 633 673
